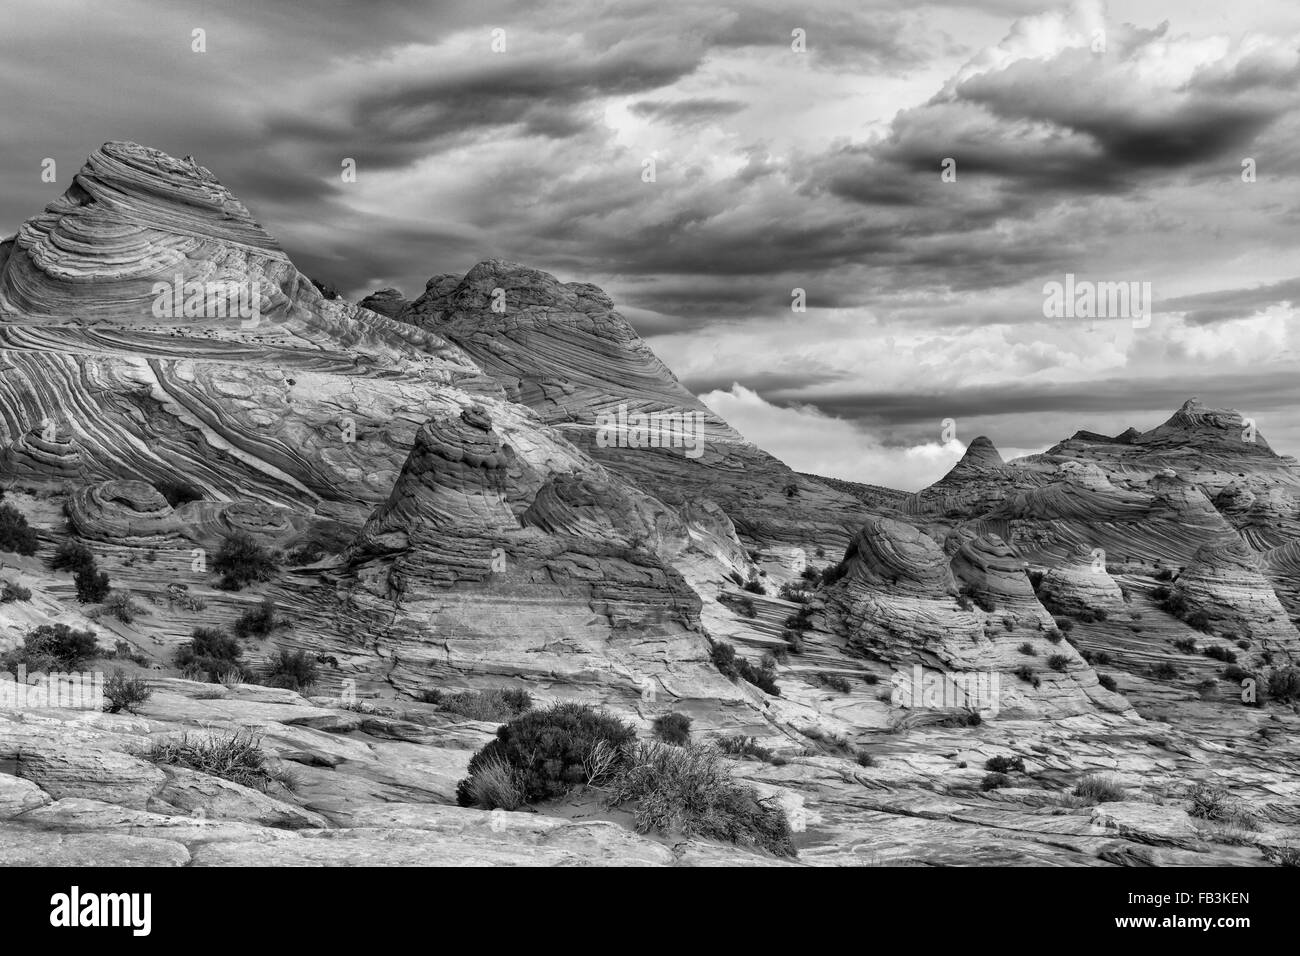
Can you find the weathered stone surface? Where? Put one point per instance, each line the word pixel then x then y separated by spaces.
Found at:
pixel 88 772
pixel 18 796
pixel 25 846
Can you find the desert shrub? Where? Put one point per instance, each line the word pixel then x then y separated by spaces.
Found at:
pixel 689 790
pixel 1284 683
pixel 730 665
pixel 995 781
pixel 1243 644
pixel 1096 788
pixel 303 554
pixel 1108 682
pixel 1054 635
pixel 793 641
pixel 964 602
pixel 258 621
pixel 754 586
pixel 1026 674
pixel 1208 802
pixel 801 620
pixel 837 683
pixel 738 745
pixel 1002 764
pixel 1164 574
pixel 1036 579
pixel 496 785
pixel 237 757
pixel 291 670
pixel 1284 855
pixel 71 556
pixel 1207 687
pixel 1220 653
pixel 723 656
pixel 120 605
pixel 1235 674
pixel 1064 625
pixel 981 600
pixel 792 592
pixel 673 728
pixel 125 693
pixel 1096 658
pixel 864 758
pixel 1059 662
pixel 125 652
pixel 1161 594
pixel 12 591
pixel 1027 648
pixel 211 652
pixel 549 749
pixel 326 289
pixel 763 677
pixel 241 561
pixel 92 585
pixel 962 718
pixel 52 647
pixel 178 493
pixel 870 679
pixel 1198 620
pixel 491 706
pixel 15 535
pixel 1008 624
pixel 1165 671
pixel 1186 644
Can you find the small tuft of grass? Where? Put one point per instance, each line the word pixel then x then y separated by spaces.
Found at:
pixel 837 683
pixel 491 706
pixel 237 757
pixel 1208 802
pixel 689 790
pixel 1095 788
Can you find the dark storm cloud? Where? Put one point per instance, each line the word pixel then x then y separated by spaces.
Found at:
pixel 692 112
pixel 1249 391
pixel 1209 307
pixel 545 94
pixel 862 36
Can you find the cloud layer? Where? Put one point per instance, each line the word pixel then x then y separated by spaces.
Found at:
pixel 792 148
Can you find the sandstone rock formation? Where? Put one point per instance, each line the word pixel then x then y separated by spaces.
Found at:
pixel 455 512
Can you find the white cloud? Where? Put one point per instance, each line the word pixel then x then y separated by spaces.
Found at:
pixel 810 441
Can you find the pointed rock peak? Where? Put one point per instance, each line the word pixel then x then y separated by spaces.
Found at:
pixel 1127 435
pixel 982 453
pixel 388 302
pixel 1194 414
pixel 1207 427
pixel 134 217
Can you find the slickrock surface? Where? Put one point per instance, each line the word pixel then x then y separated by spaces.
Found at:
pixel 434 468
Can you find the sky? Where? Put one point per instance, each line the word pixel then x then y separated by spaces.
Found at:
pixel 794 146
